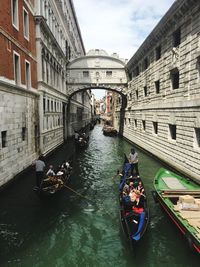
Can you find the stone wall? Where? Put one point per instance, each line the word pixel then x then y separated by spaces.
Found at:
pixel 163 109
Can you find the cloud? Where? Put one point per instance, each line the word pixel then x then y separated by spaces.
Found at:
pixel 118 25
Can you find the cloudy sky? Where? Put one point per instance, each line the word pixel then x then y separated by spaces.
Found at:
pixel 118 25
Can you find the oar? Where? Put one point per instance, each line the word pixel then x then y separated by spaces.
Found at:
pixel 74 191
pixel 118 172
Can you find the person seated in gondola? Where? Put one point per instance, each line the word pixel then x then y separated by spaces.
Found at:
pixel 50 171
pixel 140 187
pixel 138 203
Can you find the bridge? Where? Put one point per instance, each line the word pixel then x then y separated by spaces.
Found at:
pixel 97 70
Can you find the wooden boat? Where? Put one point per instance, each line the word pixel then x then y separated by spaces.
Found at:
pixel 180 199
pixel 82 141
pixel 134 220
pixel 109 130
pixel 53 184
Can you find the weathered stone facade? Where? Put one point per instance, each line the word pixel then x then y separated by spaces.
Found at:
pixel 163 109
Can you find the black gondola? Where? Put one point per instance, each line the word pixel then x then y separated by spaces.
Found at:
pixel 53 184
pixel 134 219
pixel 82 141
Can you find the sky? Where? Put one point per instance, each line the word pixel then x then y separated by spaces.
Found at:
pixel 118 26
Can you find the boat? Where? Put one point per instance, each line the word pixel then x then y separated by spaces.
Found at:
pixel 109 130
pixel 82 141
pixel 180 199
pixel 134 220
pixel 53 184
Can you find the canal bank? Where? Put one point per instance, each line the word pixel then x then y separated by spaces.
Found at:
pixel 67 230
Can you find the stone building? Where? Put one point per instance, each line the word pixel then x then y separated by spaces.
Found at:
pixel 58 41
pixel 18 84
pixel 163 108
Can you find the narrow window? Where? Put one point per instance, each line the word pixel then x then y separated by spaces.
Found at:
pixel 28 74
pixel 108 73
pixel 143 125
pixel 44 105
pixel 17 68
pixel 146 63
pixel 3 138
pixel 155 127
pixel 136 94
pixel 135 123
pixel 197 137
pixel 158 52
pixel 157 86
pixel 48 105
pixel 129 121
pixel 175 78
pixel 145 91
pixel 137 71
pixel 176 37
pixel 26 24
pixel 85 74
pixel 172 131
pixel 23 133
pixel 15 15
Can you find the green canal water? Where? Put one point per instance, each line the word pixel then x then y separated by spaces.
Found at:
pixel 66 230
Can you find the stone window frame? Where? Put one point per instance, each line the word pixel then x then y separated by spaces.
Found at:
pixel 136 94
pixel 172 132
pixel 109 73
pixel 15 14
pixel 24 133
pixel 175 78
pixel 85 74
pixel 155 127
pixel 157 86
pixel 135 124
pixel 176 37
pixel 4 139
pixel 29 83
pixel 26 24
pixel 196 143
pixel 143 125
pixel 17 78
pixel 145 90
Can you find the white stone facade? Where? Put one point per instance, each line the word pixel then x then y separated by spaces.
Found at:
pixel 163 109
pixel 58 42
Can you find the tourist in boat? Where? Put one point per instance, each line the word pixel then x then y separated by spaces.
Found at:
pixel 133 160
pixel 39 170
pixel 50 172
pixel 138 203
pixel 140 188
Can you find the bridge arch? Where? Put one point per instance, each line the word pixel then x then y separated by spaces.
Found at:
pixel 97 70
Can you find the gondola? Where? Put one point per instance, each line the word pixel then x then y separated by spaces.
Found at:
pixel 82 142
pixel 134 220
pixel 180 199
pixel 109 130
pixel 53 184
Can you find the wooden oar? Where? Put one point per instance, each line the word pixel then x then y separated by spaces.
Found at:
pixel 74 191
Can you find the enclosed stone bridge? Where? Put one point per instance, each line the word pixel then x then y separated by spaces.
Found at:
pixel 97 70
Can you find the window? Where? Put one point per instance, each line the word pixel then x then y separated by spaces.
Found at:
pixel 135 123
pixel 85 74
pixel 28 74
pixel 137 71
pixel 146 63
pixel 48 105
pixel 155 127
pixel 108 73
pixel 143 125
pixel 175 78
pixel 158 52
pixel 15 15
pixel 3 138
pixel 145 91
pixel 176 38
pixel 172 131
pixel 23 133
pixel 44 105
pixel 136 94
pixel 26 23
pixel 197 137
pixel 157 86
pixel 17 68
pixel 129 121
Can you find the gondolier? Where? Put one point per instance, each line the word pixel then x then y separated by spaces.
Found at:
pixel 133 160
pixel 39 170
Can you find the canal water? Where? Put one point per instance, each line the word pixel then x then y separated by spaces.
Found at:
pixel 69 230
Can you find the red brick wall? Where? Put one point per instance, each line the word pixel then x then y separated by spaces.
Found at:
pixel 6 51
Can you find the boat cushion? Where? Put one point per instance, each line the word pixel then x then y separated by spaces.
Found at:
pixel 173 183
